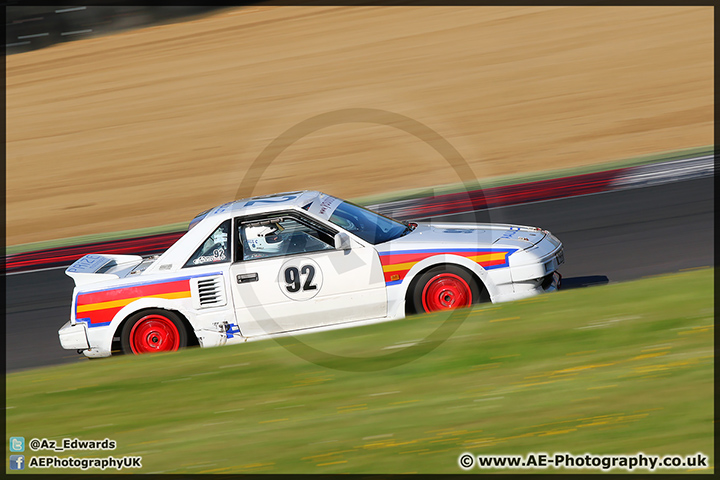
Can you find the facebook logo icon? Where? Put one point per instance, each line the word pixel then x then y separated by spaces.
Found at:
pixel 17 462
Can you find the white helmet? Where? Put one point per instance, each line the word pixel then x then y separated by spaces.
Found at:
pixel 219 237
pixel 264 239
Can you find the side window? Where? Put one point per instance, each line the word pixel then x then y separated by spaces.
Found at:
pixel 215 249
pixel 281 236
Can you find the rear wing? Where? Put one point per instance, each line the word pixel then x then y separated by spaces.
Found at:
pixel 100 267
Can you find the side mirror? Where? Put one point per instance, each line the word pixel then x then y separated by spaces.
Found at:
pixel 342 241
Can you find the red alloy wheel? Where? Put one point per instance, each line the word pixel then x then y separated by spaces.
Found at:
pixel 445 292
pixel 154 333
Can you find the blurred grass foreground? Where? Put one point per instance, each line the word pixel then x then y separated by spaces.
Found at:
pixel 620 369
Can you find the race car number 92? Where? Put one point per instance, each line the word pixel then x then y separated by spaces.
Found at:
pixel 300 279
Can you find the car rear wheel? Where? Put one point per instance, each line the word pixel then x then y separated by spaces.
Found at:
pixel 445 288
pixel 153 331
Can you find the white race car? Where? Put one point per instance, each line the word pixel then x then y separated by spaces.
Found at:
pixel 294 263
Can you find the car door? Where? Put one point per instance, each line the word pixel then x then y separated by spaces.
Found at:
pixel 207 271
pixel 288 276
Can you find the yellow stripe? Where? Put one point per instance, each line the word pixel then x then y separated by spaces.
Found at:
pixel 484 257
pixel 488 257
pixel 126 301
pixel 398 266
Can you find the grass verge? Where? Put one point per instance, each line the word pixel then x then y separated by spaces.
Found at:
pixel 620 369
pixel 387 197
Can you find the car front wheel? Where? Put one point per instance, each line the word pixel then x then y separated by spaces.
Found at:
pixel 153 331
pixel 445 288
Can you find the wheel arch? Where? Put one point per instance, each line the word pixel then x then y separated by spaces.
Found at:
pixel 482 286
pixel 116 346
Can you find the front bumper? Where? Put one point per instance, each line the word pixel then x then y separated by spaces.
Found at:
pixel 517 291
pixel 552 282
pixel 74 337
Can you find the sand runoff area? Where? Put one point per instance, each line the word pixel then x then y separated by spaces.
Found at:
pixel 149 127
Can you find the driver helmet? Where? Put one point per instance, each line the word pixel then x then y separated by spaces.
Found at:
pixel 264 239
pixel 219 237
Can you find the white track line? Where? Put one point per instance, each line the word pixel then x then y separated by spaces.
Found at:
pixel 38 270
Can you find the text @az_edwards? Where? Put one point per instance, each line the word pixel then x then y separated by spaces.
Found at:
pixel 37 444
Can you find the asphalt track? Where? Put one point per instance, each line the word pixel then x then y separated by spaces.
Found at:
pixel 608 237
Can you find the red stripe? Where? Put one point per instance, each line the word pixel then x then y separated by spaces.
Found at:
pixel 492 263
pixel 405 257
pixel 515 194
pixel 133 292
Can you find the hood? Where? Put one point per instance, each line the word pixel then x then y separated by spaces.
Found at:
pixel 460 235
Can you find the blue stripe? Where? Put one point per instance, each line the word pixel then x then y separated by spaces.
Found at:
pixel 394 282
pixel 492 267
pixel 91 325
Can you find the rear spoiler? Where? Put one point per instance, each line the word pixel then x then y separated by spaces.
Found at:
pixel 95 267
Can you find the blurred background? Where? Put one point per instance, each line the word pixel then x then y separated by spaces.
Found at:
pixel 32 27
pixel 129 117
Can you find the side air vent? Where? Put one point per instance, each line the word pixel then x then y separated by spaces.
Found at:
pixel 210 292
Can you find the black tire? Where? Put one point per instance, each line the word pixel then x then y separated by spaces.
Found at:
pixel 153 331
pixel 461 282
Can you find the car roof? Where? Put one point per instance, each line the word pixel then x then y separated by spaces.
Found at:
pixel 260 204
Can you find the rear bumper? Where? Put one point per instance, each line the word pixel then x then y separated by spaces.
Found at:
pixel 74 337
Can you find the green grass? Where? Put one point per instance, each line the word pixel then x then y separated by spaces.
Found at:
pixel 622 368
pixel 387 197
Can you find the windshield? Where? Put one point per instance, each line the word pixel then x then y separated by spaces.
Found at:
pixel 366 224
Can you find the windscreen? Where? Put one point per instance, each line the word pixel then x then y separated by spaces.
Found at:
pixel 366 224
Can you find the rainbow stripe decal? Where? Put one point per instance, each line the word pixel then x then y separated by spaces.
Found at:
pixel 98 308
pixel 397 264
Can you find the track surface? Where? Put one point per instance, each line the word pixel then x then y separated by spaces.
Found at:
pixel 613 236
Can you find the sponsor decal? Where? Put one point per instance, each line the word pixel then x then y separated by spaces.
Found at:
pixel 271 199
pixel 218 255
pixel 231 330
pixel 324 206
pixel 88 263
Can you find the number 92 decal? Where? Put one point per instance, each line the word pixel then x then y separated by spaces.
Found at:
pixel 300 279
